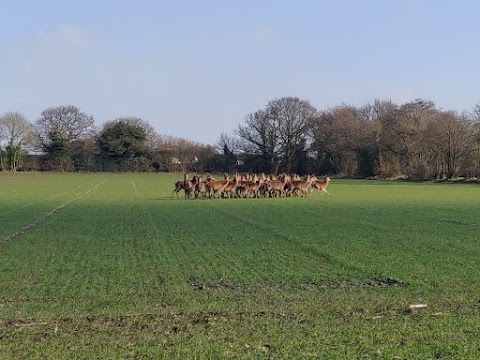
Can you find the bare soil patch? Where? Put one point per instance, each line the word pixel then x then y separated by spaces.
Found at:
pixel 378 282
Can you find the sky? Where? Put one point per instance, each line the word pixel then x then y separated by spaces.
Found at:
pixel 195 69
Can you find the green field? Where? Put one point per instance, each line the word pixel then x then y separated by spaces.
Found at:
pixel 111 267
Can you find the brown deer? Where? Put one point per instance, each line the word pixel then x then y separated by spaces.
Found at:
pixel 178 187
pixel 321 186
pixel 265 189
pixel 200 187
pixel 263 177
pixel 231 189
pixel 295 177
pixel 251 189
pixel 189 185
pixel 301 186
pixel 245 181
pixel 277 187
pixel 215 187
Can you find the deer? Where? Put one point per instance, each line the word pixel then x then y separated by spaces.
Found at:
pixel 246 177
pixel 178 187
pixel 302 185
pixel 278 186
pixel 251 189
pixel 265 189
pixel 295 177
pixel 200 187
pixel 263 177
pixel 231 189
pixel 244 182
pixel 189 186
pixel 217 187
pixel 321 186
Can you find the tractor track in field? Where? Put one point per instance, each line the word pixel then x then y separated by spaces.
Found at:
pixel 25 205
pixel 44 217
pixel 134 185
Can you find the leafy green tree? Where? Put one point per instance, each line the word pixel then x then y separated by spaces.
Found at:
pixel 124 145
pixel 58 152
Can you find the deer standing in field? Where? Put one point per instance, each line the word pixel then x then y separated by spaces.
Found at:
pixel 189 185
pixel 215 187
pixel 321 186
pixel 200 187
pixel 231 189
pixel 250 188
pixel 245 181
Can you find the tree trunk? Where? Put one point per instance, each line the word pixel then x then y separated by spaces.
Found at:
pixel 15 158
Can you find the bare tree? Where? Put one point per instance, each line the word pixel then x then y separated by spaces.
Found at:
pixel 232 142
pixel 476 113
pixel 346 140
pixel 261 138
pixel 279 134
pixel 335 139
pixel 57 128
pixel 414 139
pixel 475 155
pixel 67 122
pixel 402 145
pixel 457 136
pixel 229 146
pixel 17 133
pixel 293 117
pixel 179 154
pixel 178 151
pixel 381 113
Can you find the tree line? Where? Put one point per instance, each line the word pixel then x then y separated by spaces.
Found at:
pixel 289 135
pixel 383 139
pixel 64 138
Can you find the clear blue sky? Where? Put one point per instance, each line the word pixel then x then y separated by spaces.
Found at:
pixel 196 68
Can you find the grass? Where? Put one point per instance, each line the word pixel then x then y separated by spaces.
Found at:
pixel 124 271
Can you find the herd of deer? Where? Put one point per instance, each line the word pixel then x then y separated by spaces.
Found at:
pixel 250 186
